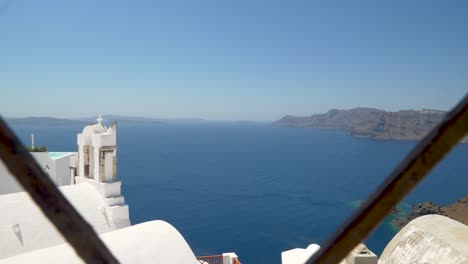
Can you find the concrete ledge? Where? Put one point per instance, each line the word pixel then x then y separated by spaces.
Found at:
pixel 115 201
pixel 119 216
pixel 107 190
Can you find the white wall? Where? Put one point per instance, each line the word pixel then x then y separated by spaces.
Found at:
pixel 47 164
pixel 57 169
pixel 104 140
pixel 8 183
pixel 62 170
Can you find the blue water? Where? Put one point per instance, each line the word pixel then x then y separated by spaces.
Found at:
pixel 257 190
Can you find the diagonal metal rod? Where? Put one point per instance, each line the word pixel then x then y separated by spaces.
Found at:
pixel 50 200
pixel 427 153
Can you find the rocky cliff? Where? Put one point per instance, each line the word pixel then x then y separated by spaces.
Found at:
pixel 371 122
pixel 333 119
pixel 409 125
pixel 457 211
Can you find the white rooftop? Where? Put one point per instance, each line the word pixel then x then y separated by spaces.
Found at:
pixel 149 242
pixel 23 227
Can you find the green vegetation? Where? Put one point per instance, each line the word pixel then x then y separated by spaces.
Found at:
pixel 37 149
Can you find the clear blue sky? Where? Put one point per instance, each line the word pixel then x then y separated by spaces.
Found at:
pixel 228 60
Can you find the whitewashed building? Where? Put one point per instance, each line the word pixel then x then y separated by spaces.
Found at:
pixel 55 164
pixel 88 179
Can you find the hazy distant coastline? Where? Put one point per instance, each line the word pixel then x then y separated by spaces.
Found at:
pixel 122 120
pixel 44 121
pixel 49 121
pixel 371 122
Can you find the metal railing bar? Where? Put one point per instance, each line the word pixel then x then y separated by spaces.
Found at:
pixel 79 234
pixel 427 153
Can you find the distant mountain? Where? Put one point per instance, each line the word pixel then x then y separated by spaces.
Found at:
pixel 107 119
pixel 145 120
pixel 44 121
pixel 333 119
pixel 49 121
pixel 124 120
pixel 372 123
pixel 409 125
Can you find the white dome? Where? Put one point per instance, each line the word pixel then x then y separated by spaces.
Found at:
pixel 91 130
pixel 94 129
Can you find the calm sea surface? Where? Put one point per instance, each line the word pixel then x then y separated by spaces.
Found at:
pixel 257 190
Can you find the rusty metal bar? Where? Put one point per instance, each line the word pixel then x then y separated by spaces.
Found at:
pixel 50 200
pixel 427 153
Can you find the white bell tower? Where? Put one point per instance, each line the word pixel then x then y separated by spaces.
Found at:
pixel 97 165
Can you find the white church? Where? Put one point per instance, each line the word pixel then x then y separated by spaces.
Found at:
pixel 89 181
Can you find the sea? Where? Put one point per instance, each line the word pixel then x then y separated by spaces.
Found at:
pixel 255 189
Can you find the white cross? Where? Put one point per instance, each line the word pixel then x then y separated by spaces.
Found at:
pixel 99 119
